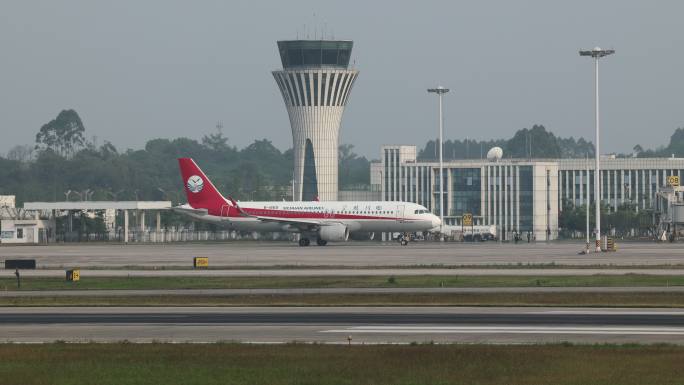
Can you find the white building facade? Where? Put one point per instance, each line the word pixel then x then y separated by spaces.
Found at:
pixel 22 226
pixel 315 83
pixel 633 181
pixel 517 196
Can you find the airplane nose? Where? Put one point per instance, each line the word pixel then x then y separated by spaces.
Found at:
pixel 436 222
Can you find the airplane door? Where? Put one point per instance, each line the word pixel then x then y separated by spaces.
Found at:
pixel 225 210
pixel 29 234
pixel 400 213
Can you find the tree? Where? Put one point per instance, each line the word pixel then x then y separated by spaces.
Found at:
pixel 217 141
pixel 533 143
pixel 525 143
pixel 354 171
pixel 63 135
pixel 676 145
pixel 21 153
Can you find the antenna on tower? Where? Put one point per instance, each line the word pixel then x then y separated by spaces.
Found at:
pixel 315 27
pixel 219 127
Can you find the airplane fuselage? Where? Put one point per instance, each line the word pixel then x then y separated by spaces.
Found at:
pixel 321 221
pixel 356 216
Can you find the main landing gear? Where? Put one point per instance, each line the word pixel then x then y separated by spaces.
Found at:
pixel 404 239
pixel 306 242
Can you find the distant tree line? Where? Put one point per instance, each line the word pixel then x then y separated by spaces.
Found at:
pixel 64 165
pixel 537 142
pixel 675 147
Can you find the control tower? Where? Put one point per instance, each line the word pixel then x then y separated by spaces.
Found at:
pixel 315 83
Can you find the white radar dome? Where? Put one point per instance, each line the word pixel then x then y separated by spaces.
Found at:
pixel 494 154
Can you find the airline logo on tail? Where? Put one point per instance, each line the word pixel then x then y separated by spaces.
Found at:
pixel 195 184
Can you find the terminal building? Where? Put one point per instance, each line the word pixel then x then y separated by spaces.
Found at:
pixel 315 83
pixel 518 195
pixel 634 181
pixel 515 195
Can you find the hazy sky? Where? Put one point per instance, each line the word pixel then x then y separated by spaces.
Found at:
pixel 136 70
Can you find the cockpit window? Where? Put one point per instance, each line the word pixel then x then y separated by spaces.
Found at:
pixel 421 212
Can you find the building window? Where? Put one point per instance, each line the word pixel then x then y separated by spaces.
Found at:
pixel 466 191
pixel 339 88
pixel 348 90
pixel 315 88
pixel 526 198
pixel 307 83
pixel 301 89
pixel 310 183
pixel 286 86
pixel 324 83
pixel 20 233
pixel 312 57
pixel 331 85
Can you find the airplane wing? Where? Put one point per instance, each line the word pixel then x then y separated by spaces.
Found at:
pixel 305 224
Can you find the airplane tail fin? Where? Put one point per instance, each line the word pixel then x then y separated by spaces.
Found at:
pixel 199 190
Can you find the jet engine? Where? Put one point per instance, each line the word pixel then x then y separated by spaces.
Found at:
pixel 361 236
pixel 336 232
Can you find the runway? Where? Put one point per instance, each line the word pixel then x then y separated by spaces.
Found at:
pixel 231 255
pixel 336 325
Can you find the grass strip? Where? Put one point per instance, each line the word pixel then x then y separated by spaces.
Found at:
pixel 228 363
pixel 673 300
pixel 95 283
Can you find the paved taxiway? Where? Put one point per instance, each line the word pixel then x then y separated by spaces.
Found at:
pixel 335 325
pixel 310 291
pixel 347 272
pixel 350 254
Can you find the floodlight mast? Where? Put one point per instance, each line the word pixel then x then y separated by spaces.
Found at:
pixel 597 53
pixel 440 91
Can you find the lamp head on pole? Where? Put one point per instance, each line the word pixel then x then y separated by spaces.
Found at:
pixel 597 52
pixel 439 90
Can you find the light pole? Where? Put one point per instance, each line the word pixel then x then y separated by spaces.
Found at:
pixel 440 91
pixel 588 203
pixel 597 53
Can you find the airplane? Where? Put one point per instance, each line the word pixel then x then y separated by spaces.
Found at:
pixel 320 221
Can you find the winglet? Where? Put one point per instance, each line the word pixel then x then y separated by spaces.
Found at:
pixel 237 206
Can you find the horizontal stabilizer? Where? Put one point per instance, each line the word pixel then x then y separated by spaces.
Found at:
pixel 188 210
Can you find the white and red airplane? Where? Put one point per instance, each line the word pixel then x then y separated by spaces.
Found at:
pixel 319 221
